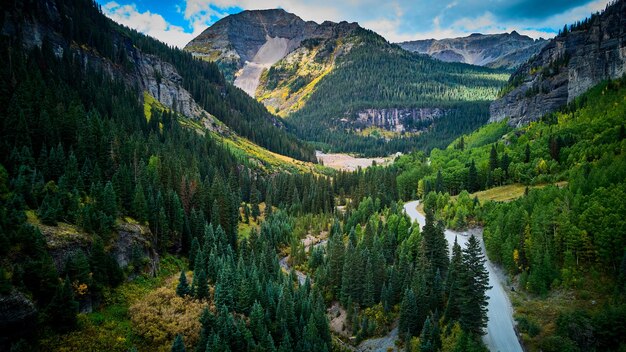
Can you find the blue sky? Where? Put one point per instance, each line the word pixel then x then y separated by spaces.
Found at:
pixel 177 22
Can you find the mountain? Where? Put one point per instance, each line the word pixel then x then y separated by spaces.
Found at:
pixel 248 43
pixel 581 56
pixel 188 86
pixel 505 50
pixel 384 99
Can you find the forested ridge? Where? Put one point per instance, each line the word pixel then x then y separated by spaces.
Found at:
pixel 123 229
pixel 375 74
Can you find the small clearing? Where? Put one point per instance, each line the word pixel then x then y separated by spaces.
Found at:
pixel 346 162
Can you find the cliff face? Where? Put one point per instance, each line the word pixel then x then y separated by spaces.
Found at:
pixel 397 120
pixel 565 68
pixel 506 50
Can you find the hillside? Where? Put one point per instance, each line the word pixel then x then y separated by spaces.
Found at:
pixel 581 56
pixel 106 185
pixel 193 88
pixel 555 242
pixel 505 50
pixel 385 99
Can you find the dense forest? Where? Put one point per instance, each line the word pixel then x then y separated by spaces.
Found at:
pixel 125 228
pixel 567 229
pixel 377 75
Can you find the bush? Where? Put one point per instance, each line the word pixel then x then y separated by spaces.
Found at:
pixel 528 326
pixel 162 315
pixel 558 344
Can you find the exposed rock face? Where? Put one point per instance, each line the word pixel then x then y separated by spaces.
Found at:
pixel 566 67
pixel 397 120
pixel 506 50
pixel 18 318
pixel 133 240
pixel 247 43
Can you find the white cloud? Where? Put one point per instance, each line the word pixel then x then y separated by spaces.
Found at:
pixel 396 20
pixel 148 23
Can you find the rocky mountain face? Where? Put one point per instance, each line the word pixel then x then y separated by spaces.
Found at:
pixel 570 64
pixel 506 50
pixel 396 120
pixel 266 50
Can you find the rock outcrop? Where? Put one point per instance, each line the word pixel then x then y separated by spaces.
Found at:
pixel 506 50
pixel 18 318
pixel 129 244
pixel 397 120
pixel 566 67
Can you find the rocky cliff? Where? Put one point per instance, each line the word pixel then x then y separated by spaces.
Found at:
pixel 506 50
pixel 584 55
pixel 397 120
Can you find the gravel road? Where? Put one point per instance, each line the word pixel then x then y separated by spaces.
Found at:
pixel 500 336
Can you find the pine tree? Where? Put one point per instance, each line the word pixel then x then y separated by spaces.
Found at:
pixel 368 287
pixel 108 204
pixel 178 345
pixel 49 210
pixel 494 162
pixel 335 259
pixel 409 315
pixel 426 337
pixel 201 285
pixel 62 310
pixel 140 206
pixel 472 290
pixel 472 178
pixel 439 187
pixel 182 289
pixel 452 311
pixel 435 244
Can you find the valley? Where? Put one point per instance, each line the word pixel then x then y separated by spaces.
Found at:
pixel 280 184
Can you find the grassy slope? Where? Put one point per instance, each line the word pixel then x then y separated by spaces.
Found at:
pixel 240 146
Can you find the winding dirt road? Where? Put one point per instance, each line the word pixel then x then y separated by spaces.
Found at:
pixel 500 336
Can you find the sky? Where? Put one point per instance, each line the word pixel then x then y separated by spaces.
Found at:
pixel 177 22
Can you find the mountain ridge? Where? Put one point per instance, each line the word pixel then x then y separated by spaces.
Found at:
pixel 504 50
pixel 386 83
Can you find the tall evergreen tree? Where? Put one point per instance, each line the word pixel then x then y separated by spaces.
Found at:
pixel 472 178
pixel 62 310
pixel 140 206
pixel 178 345
pixel 182 289
pixel 472 290
pixel 494 162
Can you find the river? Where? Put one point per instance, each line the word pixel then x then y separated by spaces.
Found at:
pixel 500 335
